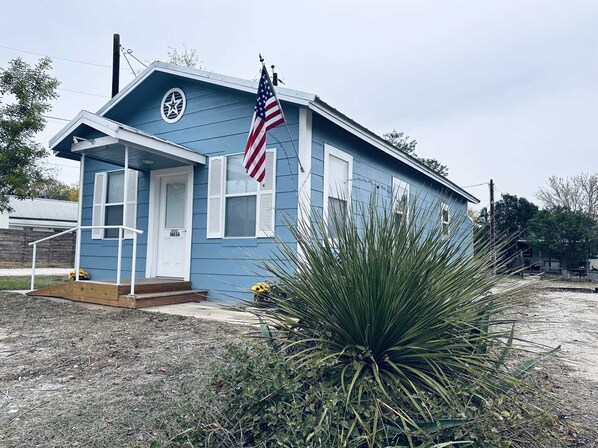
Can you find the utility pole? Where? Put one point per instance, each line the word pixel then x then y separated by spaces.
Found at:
pixel 115 63
pixel 492 227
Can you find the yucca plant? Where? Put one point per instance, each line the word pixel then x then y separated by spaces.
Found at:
pixel 402 314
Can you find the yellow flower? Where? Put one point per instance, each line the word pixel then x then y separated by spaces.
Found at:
pixel 260 287
pixel 83 275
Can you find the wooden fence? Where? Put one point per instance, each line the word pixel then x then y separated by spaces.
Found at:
pixel 15 251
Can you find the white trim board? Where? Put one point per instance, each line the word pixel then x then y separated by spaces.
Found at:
pixel 154 216
pixel 305 156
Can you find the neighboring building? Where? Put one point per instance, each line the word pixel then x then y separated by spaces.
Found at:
pixel 181 132
pixel 43 215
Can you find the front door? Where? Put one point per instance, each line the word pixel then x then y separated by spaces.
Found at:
pixel 172 227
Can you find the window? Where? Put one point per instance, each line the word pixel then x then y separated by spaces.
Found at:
pixel 109 201
pixel 240 199
pixel 115 199
pixel 400 200
pixel 445 220
pixel 239 207
pixel 338 171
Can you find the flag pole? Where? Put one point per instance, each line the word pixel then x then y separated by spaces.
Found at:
pixel 282 113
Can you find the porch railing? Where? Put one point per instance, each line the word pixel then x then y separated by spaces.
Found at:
pixel 78 229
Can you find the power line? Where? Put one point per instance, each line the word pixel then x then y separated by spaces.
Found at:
pixel 122 50
pixel 130 52
pixel 83 93
pixel 58 58
pixel 476 185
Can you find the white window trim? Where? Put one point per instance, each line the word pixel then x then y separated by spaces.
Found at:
pixel 133 177
pixel 257 193
pixel 445 207
pixel 332 151
pixel 396 182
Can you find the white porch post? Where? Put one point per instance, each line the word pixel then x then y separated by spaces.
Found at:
pixel 126 181
pixel 121 231
pixel 79 218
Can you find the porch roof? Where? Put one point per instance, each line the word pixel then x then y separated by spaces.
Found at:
pixel 104 139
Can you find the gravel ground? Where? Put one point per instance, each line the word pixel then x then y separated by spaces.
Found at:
pixel 568 319
pixel 74 375
pixel 85 376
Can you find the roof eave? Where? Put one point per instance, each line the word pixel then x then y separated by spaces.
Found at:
pixel 289 95
pixel 365 134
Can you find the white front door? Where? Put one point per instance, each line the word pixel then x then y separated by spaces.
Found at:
pixel 172 225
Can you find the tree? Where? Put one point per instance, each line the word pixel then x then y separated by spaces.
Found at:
pixel 511 214
pixel 25 95
pixel 570 235
pixel 575 193
pixel 52 188
pixel 188 57
pixel 404 144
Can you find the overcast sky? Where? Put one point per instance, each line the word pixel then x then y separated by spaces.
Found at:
pixel 504 90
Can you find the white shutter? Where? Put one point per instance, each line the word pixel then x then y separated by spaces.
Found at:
pixel 215 197
pixel 131 199
pixel 99 197
pixel 266 207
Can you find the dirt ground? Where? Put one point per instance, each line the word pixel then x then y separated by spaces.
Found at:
pixel 81 376
pixel 569 319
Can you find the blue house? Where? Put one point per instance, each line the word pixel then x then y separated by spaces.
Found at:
pixel 164 157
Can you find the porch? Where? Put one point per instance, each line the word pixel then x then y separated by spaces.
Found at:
pixel 133 185
pixel 148 292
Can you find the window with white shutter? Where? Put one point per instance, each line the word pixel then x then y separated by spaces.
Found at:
pixel 338 173
pixel 108 203
pixel 445 220
pixel 239 207
pixel 99 197
pixel 400 200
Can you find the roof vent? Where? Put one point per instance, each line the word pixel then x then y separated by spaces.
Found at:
pixel 173 105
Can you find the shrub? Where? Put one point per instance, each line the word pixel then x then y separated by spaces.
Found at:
pixel 388 335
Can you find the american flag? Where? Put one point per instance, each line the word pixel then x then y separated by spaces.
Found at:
pixel 267 114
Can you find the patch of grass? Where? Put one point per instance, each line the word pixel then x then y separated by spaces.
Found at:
pixel 24 282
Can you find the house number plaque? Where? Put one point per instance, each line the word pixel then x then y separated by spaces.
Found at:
pixel 175 233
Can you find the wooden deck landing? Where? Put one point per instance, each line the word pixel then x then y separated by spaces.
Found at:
pixel 148 292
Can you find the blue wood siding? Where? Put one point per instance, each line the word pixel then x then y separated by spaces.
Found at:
pixel 216 122
pixel 372 174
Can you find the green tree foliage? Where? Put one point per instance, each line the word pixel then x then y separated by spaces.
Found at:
pixel 404 143
pixel 512 215
pixel 52 188
pixel 571 236
pixel 25 95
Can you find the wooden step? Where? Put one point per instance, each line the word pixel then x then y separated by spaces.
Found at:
pixel 165 298
pixel 143 286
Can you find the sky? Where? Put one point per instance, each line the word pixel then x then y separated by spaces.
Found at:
pixel 506 90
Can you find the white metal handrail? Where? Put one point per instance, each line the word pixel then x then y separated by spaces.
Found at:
pixel 78 229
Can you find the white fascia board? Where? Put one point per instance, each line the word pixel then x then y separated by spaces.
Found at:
pixel 170 150
pixel 84 117
pixel 94 143
pixel 144 143
pixel 289 95
pixel 377 142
